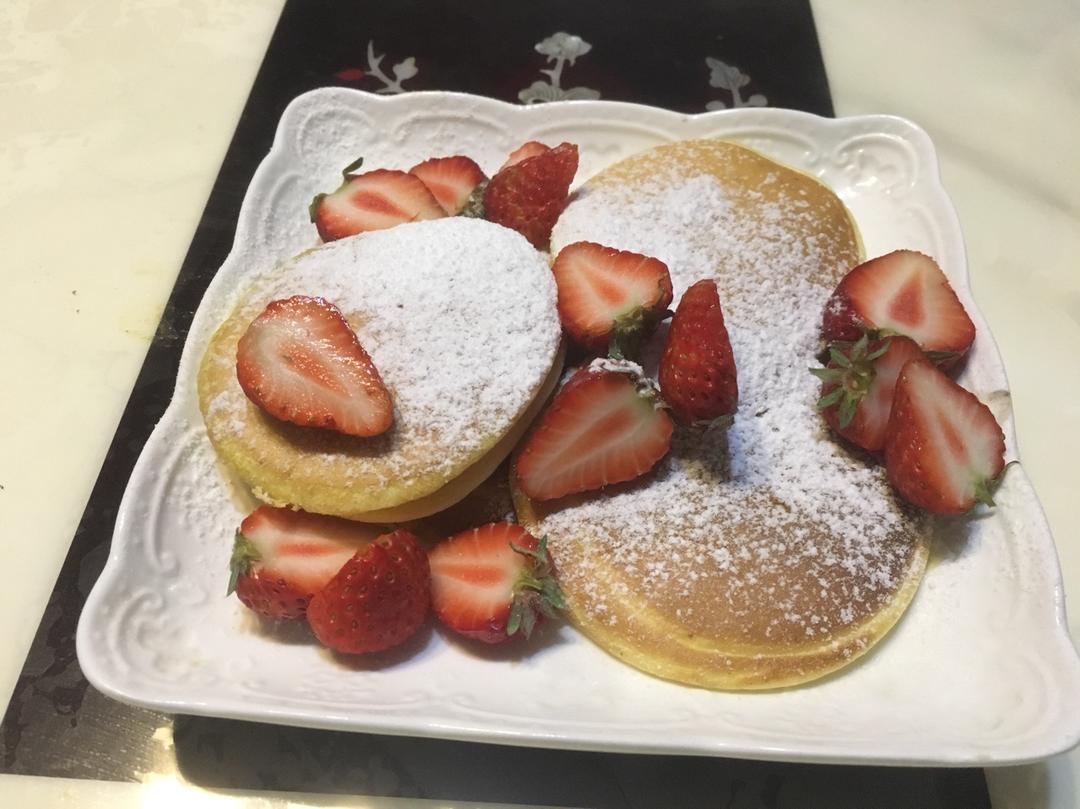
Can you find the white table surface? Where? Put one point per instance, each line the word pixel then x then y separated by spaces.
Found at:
pixel 116 117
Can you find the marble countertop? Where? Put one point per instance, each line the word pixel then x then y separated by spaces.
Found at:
pixel 118 115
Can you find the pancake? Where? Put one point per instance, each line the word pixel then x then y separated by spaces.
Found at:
pixel 459 317
pixel 766 555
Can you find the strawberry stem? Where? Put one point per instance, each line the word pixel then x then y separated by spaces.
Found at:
pixel 513 625
pixel 244 553
pixel 941 357
pixel 985 489
pixel 347 172
pixel 535 591
pixel 313 208
pixel 873 355
pixel 614 350
pixel 852 373
pixel 830 398
pixel 718 423
pixel 983 492
pixel 838 358
pixel 474 206
pixel 626 333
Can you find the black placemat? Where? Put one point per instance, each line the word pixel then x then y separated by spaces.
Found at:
pixel 687 55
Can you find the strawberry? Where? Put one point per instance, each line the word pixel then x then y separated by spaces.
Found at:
pixel 697 369
pixel 857 386
pixel 372 201
pixel 281 558
pixel 528 196
pixel 609 299
pixel 300 362
pixel 604 426
pixel 530 149
pixel 903 292
pixel 377 600
pixel 451 180
pixel 493 583
pixel 943 448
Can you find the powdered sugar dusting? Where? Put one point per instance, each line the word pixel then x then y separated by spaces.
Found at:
pixel 773 517
pixel 459 317
pixel 618 366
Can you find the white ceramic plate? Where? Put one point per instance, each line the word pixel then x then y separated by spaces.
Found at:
pixel 980 671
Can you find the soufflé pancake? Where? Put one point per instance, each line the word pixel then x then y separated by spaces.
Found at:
pixel 458 316
pixel 766 554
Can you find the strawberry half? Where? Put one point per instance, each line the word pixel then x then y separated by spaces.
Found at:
pixel 903 292
pixel 530 149
pixel 857 386
pixel 377 600
pixel 610 300
pixel 944 450
pixel 372 201
pixel 451 180
pixel 528 196
pixel 493 583
pixel 281 558
pixel 698 378
pixel 604 426
pixel 300 362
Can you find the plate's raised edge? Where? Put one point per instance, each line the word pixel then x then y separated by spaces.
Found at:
pixel 854 754
pixel 214 294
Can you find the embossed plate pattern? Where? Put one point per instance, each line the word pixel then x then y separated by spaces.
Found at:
pixel 980 671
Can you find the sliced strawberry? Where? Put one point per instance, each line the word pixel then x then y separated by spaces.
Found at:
pixel 377 600
pixel 372 201
pixel 281 558
pixel 529 196
pixel 530 149
pixel 300 362
pixel 492 583
pixel 943 448
pixel 609 300
pixel 452 180
pixel 902 292
pixel 604 426
pixel 857 386
pixel 698 379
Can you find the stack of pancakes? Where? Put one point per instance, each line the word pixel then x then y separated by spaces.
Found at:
pixel 459 317
pixel 761 556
